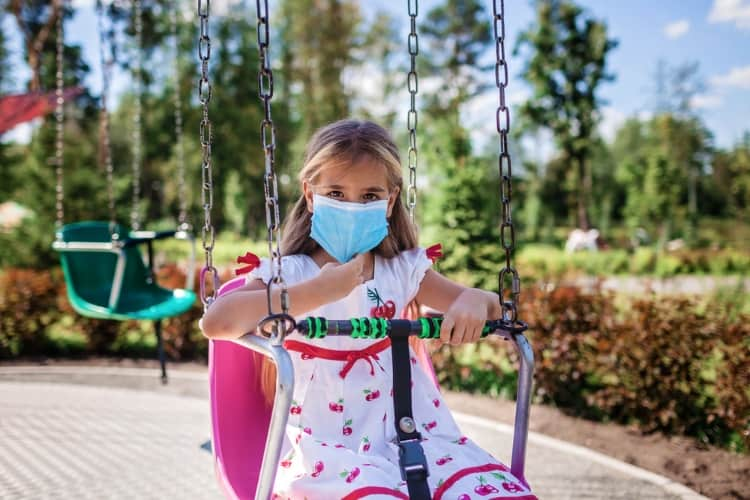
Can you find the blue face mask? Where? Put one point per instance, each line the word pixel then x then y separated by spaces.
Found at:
pixel 345 229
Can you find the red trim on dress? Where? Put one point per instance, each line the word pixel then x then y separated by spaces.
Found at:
pixel 250 259
pixel 375 490
pixel 456 476
pixel 350 357
pixel 434 252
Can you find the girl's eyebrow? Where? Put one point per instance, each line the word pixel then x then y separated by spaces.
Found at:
pixel 373 189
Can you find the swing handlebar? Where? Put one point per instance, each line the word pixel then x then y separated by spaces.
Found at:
pixel 373 328
pixel 269 343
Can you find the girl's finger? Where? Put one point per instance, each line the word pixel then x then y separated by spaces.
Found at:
pixel 477 334
pixel 459 333
pixel 445 329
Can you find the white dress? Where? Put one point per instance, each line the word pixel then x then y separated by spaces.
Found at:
pixel 340 438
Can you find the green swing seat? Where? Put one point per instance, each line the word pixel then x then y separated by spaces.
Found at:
pixel 111 281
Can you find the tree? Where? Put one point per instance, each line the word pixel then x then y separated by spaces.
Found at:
pixel 567 65
pixel 462 210
pixel 457 33
pixel 676 86
pixel 731 174
pixel 5 76
pixel 317 40
pixel 653 158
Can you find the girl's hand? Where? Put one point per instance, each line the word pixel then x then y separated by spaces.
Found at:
pixel 345 277
pixel 465 318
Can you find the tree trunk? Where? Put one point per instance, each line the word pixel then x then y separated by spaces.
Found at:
pixel 35 44
pixel 584 188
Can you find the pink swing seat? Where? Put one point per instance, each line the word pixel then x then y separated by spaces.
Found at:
pixel 240 415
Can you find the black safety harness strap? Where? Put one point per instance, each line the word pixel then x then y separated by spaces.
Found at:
pixel 412 460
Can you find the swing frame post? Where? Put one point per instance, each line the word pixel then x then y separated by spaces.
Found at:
pixel 273 350
pixel 523 405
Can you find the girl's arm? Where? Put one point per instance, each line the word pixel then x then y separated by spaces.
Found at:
pixel 465 309
pixel 236 313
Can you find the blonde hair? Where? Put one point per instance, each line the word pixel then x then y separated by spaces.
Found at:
pixel 346 142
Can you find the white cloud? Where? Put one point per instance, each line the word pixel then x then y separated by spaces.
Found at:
pixel 706 101
pixel 731 11
pixel 677 29
pixel 737 77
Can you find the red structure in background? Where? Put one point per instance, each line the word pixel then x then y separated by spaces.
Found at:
pixel 20 108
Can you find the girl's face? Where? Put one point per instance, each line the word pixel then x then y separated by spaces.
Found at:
pixel 362 182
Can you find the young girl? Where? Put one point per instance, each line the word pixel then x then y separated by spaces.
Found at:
pixel 350 250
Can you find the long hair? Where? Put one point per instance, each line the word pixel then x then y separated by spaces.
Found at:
pixel 345 142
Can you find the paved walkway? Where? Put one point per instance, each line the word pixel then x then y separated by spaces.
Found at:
pixel 127 437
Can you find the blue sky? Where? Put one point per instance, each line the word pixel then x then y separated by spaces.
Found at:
pixel 715 33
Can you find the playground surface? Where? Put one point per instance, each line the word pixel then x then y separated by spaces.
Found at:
pixel 113 432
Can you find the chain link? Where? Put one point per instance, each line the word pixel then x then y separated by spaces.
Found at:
pixel 270 181
pixel 59 120
pixel 182 217
pixel 502 121
pixel 412 82
pixel 135 218
pixel 208 234
pixel 106 43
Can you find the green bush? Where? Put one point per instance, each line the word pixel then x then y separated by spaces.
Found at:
pixel 667 364
pixel 37 320
pixel 546 261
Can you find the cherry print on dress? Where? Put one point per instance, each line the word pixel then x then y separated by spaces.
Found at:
pixel 483 488
pixel 371 395
pixel 381 309
pixel 317 468
pixel 336 407
pixel 295 409
pixel 365 444
pixel 347 429
pixel 350 475
pixel 429 425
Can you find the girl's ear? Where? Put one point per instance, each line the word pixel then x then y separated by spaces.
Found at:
pixel 308 194
pixel 392 201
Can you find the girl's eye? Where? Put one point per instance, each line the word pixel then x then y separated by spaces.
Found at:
pixel 371 197
pixel 335 194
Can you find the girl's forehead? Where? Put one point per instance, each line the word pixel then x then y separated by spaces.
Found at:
pixel 365 172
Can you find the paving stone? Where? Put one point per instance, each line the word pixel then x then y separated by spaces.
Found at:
pixel 66 441
pixel 143 440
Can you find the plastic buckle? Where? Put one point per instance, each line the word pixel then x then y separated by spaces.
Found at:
pixel 412 460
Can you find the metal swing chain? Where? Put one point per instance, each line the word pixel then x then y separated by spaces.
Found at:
pixel 412 82
pixel 106 41
pixel 183 223
pixel 208 234
pixel 59 122
pixel 502 120
pixel 135 218
pixel 268 141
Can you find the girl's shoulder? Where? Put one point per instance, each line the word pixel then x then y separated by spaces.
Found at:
pixel 411 263
pixel 294 268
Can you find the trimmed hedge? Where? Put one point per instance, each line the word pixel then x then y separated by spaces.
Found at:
pixel 663 364
pixel 36 319
pixel 551 261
